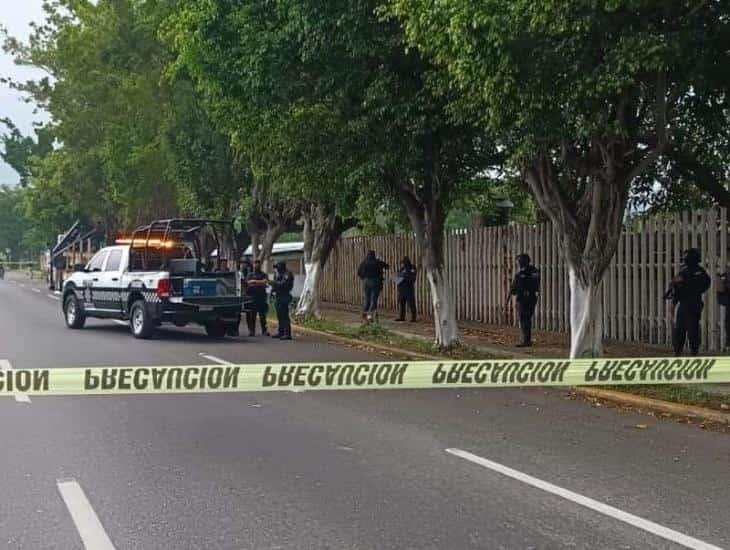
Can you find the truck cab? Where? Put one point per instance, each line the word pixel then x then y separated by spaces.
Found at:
pixel 150 281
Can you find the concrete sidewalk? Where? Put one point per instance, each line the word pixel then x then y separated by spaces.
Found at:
pixel 494 339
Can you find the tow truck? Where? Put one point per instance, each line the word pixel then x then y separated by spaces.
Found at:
pixel 169 271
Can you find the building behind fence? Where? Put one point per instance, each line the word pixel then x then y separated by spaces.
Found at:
pixel 480 263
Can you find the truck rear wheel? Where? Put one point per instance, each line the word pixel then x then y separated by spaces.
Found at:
pixel 73 312
pixel 215 330
pixel 139 321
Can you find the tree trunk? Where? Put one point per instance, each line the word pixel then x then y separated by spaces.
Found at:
pixel 427 219
pixel 322 230
pixel 586 318
pixel 275 228
pixel 444 312
pixel 271 234
pixel 589 227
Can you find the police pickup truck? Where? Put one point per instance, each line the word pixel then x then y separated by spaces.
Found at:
pixel 160 275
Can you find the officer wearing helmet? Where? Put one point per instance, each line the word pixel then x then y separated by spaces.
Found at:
pixel 686 292
pixel 281 287
pixel 526 288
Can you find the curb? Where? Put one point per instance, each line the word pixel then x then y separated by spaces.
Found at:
pixel 676 409
pixel 659 405
pixel 298 329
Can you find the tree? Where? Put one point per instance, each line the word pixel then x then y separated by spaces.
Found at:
pixel 19 150
pixel 587 98
pixel 307 155
pixel 133 145
pixel 343 59
pixel 13 224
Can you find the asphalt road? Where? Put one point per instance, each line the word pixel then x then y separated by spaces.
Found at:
pixel 526 469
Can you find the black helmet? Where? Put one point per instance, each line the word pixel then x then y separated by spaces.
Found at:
pixel 523 260
pixel 692 257
pixel 280 266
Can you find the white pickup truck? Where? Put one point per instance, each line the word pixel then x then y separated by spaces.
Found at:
pixel 118 284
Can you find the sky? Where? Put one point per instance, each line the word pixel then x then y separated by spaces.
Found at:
pixel 16 15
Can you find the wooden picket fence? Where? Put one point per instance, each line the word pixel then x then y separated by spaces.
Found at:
pixel 480 263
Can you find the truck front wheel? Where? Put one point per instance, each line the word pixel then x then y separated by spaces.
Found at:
pixel 73 312
pixel 139 321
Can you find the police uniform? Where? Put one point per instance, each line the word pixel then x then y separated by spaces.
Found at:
pixel 525 288
pixel 407 291
pixel 282 286
pixel 686 293
pixel 256 294
pixel 723 298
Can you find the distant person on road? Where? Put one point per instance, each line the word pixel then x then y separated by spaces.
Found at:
pixel 282 286
pixel 2 271
pixel 686 292
pixel 526 288
pixel 723 297
pixel 256 282
pixel 371 272
pixel 59 264
pixel 406 280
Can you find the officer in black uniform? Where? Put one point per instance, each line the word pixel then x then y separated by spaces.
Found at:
pixel 723 298
pixel 686 293
pixel 256 282
pixel 282 286
pixel 525 288
pixel 407 289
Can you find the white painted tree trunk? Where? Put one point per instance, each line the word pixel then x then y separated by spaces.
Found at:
pixel 444 310
pixel 586 318
pixel 308 305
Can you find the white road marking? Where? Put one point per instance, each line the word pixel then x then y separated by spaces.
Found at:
pixel 120 322
pixel 22 285
pixel 58 292
pixel 87 522
pixel 615 513
pixel 224 362
pixel 19 397
pixel 214 359
pixel 53 297
pixel 38 290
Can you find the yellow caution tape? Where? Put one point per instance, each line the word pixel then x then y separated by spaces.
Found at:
pixel 352 376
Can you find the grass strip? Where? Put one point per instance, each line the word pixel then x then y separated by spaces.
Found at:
pixel 376 333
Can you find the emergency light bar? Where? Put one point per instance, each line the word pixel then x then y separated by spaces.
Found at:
pixel 145 242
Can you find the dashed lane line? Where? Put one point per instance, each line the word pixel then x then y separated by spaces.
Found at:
pixel 120 322
pixel 36 290
pixel 600 507
pixel 52 297
pixel 19 397
pixel 220 361
pixel 87 523
pixel 215 359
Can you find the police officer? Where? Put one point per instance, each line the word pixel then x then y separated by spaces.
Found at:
pixel 723 298
pixel 407 289
pixel 525 288
pixel 282 286
pixel 371 272
pixel 256 282
pixel 686 293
